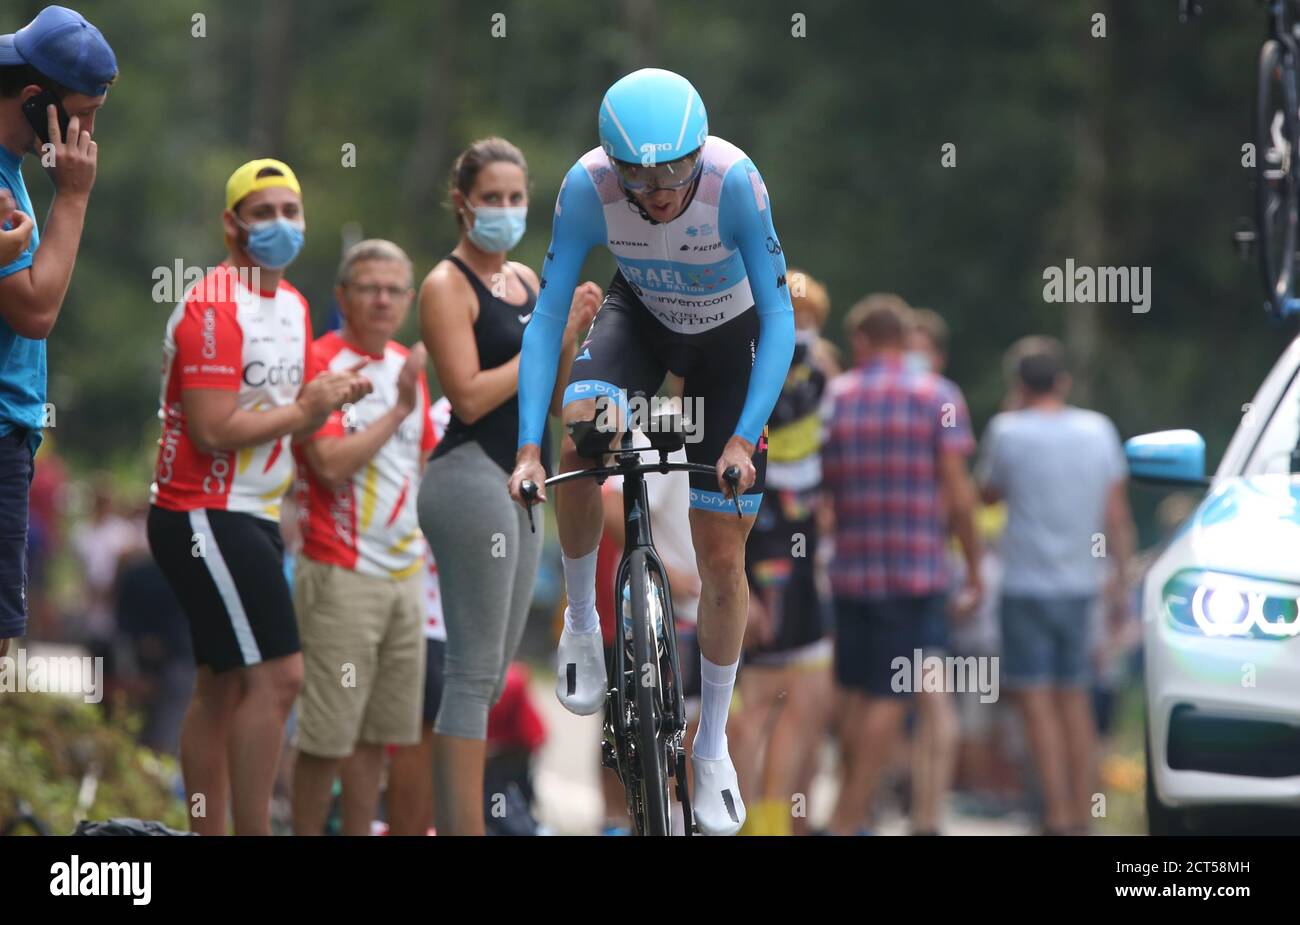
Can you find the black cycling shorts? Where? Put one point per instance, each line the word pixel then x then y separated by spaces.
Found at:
pixel 227 570
pixel 629 351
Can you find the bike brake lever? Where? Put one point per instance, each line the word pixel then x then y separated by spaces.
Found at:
pixel 732 477
pixel 528 491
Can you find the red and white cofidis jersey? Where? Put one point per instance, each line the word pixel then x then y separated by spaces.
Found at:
pixel 370 524
pixel 224 335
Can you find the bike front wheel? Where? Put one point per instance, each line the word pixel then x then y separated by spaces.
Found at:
pixel 648 612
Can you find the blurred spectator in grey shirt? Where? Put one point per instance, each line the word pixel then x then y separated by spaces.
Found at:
pixel 1062 473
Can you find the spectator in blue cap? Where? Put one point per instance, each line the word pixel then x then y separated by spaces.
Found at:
pixel 54 77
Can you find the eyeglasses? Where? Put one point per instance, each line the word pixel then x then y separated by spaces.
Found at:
pixel 371 290
pixel 673 175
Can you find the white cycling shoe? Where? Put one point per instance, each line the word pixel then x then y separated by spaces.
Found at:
pixel 580 680
pixel 719 810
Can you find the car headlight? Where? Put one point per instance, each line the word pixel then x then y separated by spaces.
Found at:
pixel 1219 604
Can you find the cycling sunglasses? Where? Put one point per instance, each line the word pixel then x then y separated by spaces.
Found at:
pixel 673 175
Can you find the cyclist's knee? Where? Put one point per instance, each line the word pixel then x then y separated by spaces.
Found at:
pixel 719 542
pixel 719 560
pixel 581 410
pixel 569 458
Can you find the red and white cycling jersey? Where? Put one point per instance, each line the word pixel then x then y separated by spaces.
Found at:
pixel 369 524
pixel 224 335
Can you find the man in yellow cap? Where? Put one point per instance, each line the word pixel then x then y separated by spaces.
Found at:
pixel 269 232
pixel 237 385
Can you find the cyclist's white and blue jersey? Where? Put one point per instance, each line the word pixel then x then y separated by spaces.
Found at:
pixel 714 262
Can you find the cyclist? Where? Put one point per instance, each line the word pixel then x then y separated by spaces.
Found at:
pixel 700 291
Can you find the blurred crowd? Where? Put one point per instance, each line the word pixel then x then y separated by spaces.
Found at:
pixel 799 715
pixel 92 584
pixel 936 639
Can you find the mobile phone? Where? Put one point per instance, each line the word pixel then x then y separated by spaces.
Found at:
pixel 35 111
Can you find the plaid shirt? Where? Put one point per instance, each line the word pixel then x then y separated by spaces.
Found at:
pixel 885 429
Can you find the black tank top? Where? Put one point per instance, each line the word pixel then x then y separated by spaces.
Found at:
pixel 498 334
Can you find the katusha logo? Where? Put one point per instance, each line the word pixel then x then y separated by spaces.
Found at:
pixel 697 230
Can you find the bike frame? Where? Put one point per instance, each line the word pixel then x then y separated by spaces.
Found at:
pixel 639 537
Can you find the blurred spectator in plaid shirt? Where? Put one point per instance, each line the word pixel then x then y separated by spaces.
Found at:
pixel 894 466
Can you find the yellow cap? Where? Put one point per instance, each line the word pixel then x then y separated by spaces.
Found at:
pixel 245 180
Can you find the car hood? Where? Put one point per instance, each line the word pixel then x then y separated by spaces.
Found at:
pixel 1250 526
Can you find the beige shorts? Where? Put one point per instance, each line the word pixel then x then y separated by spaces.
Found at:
pixel 363 657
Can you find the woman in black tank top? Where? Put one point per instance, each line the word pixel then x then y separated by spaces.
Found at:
pixel 498 335
pixel 474 307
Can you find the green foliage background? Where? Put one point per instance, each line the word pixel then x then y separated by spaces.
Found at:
pixel 52 746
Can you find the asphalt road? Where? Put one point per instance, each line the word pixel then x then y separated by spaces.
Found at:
pixel 567 780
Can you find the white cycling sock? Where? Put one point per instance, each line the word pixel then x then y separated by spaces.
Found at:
pixel 716 683
pixel 580 586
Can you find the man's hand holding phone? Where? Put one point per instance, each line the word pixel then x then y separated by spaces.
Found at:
pixel 75 157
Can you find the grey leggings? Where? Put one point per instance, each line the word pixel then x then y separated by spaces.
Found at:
pixel 487 563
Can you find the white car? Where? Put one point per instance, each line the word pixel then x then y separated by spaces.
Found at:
pixel 1219 617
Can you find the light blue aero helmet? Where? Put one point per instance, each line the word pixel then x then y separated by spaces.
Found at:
pixel 651 117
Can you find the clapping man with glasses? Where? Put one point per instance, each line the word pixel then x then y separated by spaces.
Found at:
pixel 358 588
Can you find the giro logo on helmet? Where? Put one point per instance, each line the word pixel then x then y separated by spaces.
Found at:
pixel 649 151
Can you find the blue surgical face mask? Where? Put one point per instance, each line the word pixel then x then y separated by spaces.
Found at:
pixel 916 361
pixel 497 229
pixel 274 243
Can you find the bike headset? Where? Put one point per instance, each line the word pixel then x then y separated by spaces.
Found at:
pixel 650 121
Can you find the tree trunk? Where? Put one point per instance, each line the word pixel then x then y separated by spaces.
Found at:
pixel 273 67
pixel 1088 227
pixel 639 15
pixel 420 192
